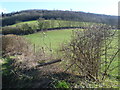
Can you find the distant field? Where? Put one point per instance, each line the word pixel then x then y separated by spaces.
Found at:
pixel 27 22
pixel 58 23
pixel 29 27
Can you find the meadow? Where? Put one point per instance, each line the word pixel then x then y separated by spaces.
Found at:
pixel 59 51
pixel 53 40
pixel 57 23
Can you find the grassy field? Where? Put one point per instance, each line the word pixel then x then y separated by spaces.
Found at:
pixel 27 22
pixel 57 23
pixel 112 52
pixel 52 40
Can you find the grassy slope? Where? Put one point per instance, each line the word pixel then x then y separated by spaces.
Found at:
pixel 49 39
pixel 57 37
pixel 27 22
pixel 54 39
pixel 56 23
pixel 115 63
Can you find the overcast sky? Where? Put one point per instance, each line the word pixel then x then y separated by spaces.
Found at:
pixel 108 7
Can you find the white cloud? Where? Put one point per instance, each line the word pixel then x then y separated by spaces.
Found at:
pixel 4 10
pixel 109 10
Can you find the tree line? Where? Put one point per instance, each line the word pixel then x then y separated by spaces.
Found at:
pixel 41 25
pixel 28 15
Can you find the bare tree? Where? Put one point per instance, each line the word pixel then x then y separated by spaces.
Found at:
pixel 41 22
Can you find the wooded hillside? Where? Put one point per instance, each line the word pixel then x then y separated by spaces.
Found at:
pixel 28 15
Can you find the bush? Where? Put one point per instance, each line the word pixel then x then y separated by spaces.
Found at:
pixel 86 49
pixel 11 30
pixel 17 60
pixel 19 63
pixel 19 30
pixel 13 44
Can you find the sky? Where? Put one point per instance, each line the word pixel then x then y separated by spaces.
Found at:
pixel 108 7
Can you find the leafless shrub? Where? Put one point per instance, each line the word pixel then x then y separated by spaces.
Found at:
pixel 23 59
pixel 13 44
pixel 25 54
pixel 16 46
pixel 86 49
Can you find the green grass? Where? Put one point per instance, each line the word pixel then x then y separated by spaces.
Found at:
pixel 27 22
pixel 57 23
pixel 62 84
pixel 54 39
pixel 112 52
pixel 51 39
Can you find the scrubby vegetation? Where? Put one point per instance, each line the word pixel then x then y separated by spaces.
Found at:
pixel 66 53
pixel 20 62
pixel 21 65
pixel 90 51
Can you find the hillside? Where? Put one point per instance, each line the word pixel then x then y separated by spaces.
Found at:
pixel 57 23
pixel 29 27
pixel 28 15
pixel 44 47
pixel 59 49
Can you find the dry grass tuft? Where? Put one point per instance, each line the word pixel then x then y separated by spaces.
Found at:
pixel 13 44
